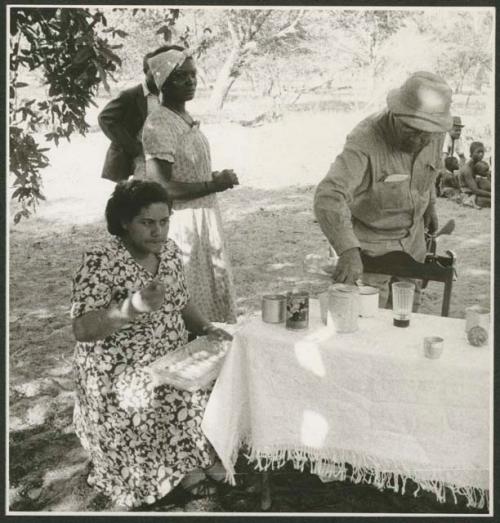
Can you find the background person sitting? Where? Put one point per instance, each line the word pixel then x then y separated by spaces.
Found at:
pixel 449 185
pixel 467 177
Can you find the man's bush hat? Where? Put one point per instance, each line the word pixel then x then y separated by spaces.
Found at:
pixel 423 102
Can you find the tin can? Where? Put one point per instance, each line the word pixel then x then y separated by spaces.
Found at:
pixel 297 310
pixel 273 308
pixel 343 307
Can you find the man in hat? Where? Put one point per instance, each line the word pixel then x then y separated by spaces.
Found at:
pixel 122 119
pixel 453 144
pixel 378 194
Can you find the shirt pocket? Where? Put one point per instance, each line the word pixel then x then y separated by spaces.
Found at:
pixel 394 195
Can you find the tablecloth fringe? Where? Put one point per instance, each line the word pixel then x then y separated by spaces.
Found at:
pixel 364 469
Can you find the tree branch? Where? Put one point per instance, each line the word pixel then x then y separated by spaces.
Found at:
pixel 290 27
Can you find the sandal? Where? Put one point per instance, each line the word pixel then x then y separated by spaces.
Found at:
pixel 202 489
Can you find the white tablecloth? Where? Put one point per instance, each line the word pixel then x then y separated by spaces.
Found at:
pixel 369 399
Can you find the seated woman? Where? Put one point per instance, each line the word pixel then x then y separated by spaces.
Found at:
pixel 130 306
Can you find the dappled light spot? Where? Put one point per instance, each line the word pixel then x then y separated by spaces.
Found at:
pixel 279 266
pixel 475 240
pixel 63 473
pixel 471 271
pixel 309 356
pixel 314 429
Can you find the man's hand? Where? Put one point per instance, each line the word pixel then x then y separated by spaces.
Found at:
pixel 349 267
pixel 431 222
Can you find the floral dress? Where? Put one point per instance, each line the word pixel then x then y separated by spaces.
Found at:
pixel 141 439
pixel 196 225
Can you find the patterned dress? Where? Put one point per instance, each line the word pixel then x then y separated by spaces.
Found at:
pixel 196 225
pixel 141 439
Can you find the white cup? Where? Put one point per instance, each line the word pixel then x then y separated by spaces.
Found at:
pixel 368 301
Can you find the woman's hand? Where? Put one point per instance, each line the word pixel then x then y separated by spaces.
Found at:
pixel 214 333
pixel 150 298
pixel 224 179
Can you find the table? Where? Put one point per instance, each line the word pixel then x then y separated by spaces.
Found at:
pixel 369 399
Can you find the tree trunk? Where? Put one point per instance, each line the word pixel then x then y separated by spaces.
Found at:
pixel 225 80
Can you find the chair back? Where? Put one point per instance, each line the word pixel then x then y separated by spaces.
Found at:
pixel 399 263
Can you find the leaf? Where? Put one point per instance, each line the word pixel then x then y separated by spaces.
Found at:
pixel 121 33
pixel 166 32
pixel 102 75
pixel 112 56
pixel 82 55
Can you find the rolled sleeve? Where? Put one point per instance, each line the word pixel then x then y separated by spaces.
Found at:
pixel 335 193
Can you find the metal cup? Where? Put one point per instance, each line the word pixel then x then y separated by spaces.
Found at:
pixel 433 347
pixel 273 308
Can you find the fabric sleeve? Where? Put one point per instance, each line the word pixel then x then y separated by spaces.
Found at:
pixel 335 193
pixel 92 284
pixel 159 139
pixel 112 122
pixel 446 144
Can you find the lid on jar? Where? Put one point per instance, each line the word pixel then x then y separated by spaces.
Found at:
pixel 273 297
pixel 366 289
pixel 343 287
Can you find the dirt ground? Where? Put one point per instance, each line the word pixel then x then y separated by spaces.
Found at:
pixel 269 229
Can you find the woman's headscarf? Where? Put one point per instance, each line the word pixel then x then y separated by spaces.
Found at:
pixel 164 63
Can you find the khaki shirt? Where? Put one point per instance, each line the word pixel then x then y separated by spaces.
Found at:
pixel 356 206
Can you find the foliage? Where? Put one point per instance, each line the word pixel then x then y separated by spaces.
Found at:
pixel 466 41
pixel 147 29
pixel 237 37
pixel 73 51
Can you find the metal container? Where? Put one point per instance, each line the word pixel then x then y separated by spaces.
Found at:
pixel 343 307
pixel 297 310
pixel 273 308
pixel 433 347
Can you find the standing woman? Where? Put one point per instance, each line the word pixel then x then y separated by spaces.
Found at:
pixel 178 156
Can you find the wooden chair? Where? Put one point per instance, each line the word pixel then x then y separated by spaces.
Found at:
pixel 399 263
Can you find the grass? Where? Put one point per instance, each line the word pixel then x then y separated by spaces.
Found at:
pixel 269 229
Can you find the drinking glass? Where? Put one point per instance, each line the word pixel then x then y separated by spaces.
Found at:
pixel 402 302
